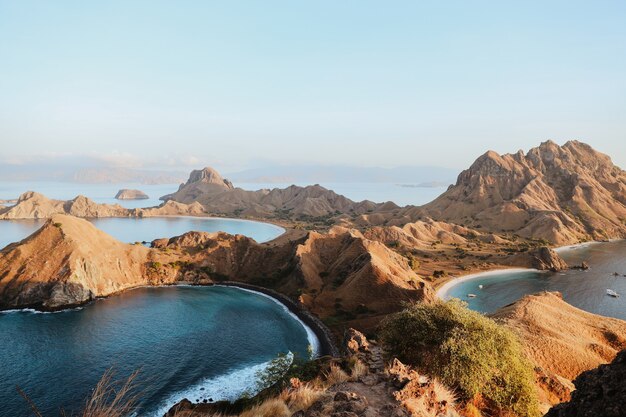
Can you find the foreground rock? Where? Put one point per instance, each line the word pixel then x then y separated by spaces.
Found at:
pixel 599 392
pixel 126 194
pixel 561 340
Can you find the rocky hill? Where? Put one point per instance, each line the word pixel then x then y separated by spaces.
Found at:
pixel 32 205
pixel 218 195
pixel 340 275
pixel 562 340
pixel 562 194
pixel 126 194
pixel 67 262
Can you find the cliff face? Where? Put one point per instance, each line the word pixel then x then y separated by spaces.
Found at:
pixel 217 195
pixel 558 193
pixel 562 340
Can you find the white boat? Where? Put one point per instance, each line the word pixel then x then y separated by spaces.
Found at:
pixel 471 295
pixel 480 286
pixel 611 293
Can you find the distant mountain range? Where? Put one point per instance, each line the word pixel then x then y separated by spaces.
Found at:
pixel 416 176
pixel 311 174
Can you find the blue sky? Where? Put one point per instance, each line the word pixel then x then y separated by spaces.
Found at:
pixel 242 83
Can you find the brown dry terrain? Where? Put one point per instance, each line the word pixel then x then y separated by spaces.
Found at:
pixel 32 205
pixel 562 194
pixel 562 340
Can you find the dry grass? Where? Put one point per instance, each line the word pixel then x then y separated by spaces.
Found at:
pixel 359 369
pixel 335 375
pixel 302 397
pixel 273 407
pixel 109 398
pixel 443 393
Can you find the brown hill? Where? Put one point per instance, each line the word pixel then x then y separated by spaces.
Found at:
pixel 559 193
pixel 562 340
pixel 218 196
pixel 32 205
pixel 67 262
pixel 338 275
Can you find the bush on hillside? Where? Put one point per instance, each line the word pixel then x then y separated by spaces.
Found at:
pixel 465 350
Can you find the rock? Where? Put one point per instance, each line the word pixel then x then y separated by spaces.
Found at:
pixel 355 341
pixel 599 392
pixel 126 194
pixel 545 258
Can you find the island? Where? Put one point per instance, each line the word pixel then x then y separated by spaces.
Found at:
pixel 127 194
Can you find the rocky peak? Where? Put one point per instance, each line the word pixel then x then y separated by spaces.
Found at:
pixel 208 175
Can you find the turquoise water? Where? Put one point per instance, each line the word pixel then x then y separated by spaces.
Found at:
pixel 583 289
pixel 194 342
pixel 132 230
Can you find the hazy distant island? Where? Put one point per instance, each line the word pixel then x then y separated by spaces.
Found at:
pixel 127 194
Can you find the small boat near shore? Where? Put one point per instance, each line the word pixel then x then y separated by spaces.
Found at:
pixel 471 295
pixel 611 293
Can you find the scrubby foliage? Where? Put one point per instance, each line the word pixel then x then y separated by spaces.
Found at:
pixel 466 350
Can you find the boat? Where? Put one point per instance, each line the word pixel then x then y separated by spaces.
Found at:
pixel 480 286
pixel 612 293
pixel 471 295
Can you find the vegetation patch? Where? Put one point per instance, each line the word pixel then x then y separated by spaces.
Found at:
pixel 465 350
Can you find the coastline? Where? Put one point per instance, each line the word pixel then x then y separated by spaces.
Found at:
pixel 327 346
pixel 447 285
pixel 324 336
pixel 443 289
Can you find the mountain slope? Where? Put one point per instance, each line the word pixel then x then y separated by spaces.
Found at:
pixel 218 196
pixel 562 194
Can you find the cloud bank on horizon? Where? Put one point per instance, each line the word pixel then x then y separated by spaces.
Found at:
pixel 175 85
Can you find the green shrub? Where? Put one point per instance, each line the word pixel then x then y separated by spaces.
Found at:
pixel 465 350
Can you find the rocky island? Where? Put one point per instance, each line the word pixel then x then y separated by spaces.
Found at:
pixel 127 194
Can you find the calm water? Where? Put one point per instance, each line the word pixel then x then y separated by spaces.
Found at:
pixel 132 230
pixel 583 289
pixel 200 342
pixel 100 193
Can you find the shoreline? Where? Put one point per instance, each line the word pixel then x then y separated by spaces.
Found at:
pixel 327 346
pixel 446 286
pixel 441 292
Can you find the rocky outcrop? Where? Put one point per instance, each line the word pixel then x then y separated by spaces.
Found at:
pixel 546 259
pixel 599 392
pixel 561 340
pixel 558 193
pixel 127 194
pixel 218 195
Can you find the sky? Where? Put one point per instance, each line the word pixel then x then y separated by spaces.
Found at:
pixel 239 84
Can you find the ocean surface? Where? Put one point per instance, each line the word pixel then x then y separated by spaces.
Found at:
pixel 583 289
pixel 187 342
pixel 131 230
